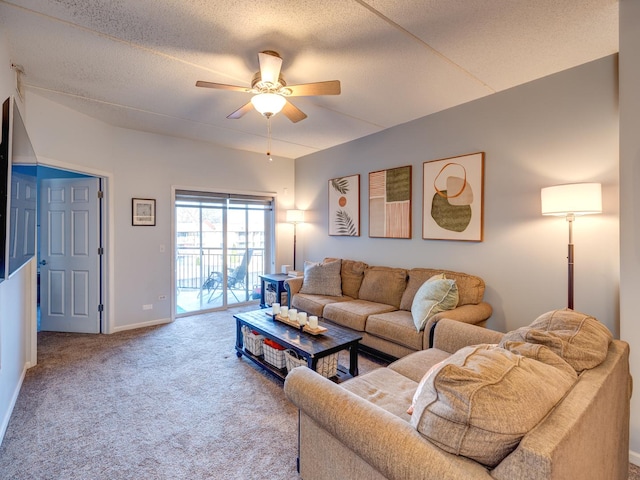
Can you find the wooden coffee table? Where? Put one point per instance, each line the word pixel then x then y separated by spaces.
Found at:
pixel 308 346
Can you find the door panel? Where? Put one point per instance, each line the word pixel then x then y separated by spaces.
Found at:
pixel 70 264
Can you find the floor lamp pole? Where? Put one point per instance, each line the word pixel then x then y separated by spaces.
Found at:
pixel 570 219
pixel 294 246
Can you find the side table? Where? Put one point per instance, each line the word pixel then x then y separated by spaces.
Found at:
pixel 276 281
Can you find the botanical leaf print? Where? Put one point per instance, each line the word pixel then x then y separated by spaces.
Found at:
pixel 340 185
pixel 345 224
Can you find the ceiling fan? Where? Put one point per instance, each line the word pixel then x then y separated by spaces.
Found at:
pixel 271 91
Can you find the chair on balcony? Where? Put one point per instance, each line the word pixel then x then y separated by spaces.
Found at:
pixel 236 277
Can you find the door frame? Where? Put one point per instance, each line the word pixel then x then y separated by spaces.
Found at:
pixel 106 232
pixel 272 241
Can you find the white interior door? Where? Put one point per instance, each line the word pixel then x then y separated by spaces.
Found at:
pixel 69 257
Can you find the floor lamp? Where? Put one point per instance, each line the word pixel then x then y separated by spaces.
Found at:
pixel 295 217
pixel 570 201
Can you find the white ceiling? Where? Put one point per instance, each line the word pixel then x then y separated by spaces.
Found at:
pixel 134 63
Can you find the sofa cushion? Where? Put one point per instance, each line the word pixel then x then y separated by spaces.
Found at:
pixel 581 340
pixel 434 296
pixel 540 353
pixel 322 278
pixel 416 364
pixel 470 287
pixel 483 399
pixel 352 275
pixel 383 285
pixel 353 314
pixel 385 388
pixel 314 304
pixel 397 327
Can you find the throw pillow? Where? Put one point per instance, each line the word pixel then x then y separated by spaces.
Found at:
pixel 322 278
pixel 383 285
pixel 352 274
pixel 436 295
pixel 426 378
pixel 483 399
pixel 581 340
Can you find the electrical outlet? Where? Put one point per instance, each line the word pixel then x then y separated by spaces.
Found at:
pixel 162 249
pixel 162 297
pixel 148 306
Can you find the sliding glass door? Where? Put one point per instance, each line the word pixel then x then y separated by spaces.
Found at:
pixel 223 244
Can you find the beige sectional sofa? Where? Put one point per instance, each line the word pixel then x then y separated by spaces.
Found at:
pixel 378 300
pixel 361 429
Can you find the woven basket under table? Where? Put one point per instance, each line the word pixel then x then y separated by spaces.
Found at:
pixel 326 366
pixel 273 356
pixel 253 343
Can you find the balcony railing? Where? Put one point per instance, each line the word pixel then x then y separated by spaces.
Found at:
pixel 194 265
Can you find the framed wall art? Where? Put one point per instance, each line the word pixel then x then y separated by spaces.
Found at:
pixel 344 206
pixel 143 212
pixel 390 203
pixel 453 191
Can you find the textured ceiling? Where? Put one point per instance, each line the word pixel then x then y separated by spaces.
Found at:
pixel 134 63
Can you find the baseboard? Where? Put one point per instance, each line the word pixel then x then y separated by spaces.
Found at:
pixel 634 457
pixel 14 399
pixel 151 323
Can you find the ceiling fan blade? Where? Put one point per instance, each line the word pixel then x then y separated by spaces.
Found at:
pixel 331 87
pixel 241 111
pixel 293 113
pixel 269 67
pixel 221 86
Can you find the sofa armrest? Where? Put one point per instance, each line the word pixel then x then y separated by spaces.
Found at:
pixel 471 314
pixel 292 286
pixel 387 443
pixel 452 335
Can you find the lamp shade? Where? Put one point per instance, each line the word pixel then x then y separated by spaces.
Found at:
pixel 576 199
pixel 268 104
pixel 295 216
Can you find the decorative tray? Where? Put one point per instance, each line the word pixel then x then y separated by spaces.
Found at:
pixel 293 323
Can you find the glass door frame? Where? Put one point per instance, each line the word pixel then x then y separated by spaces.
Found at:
pixel 227 251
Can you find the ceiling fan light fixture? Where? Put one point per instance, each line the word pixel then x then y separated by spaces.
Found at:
pixel 268 104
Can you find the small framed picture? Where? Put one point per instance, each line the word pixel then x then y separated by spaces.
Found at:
pixel 143 211
pixel 344 206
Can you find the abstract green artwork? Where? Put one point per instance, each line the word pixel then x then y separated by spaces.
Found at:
pixel 390 203
pixel 453 198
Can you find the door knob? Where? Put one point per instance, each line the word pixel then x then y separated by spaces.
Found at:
pixel 43 262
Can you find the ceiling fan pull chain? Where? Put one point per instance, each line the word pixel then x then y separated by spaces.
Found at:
pixel 269 138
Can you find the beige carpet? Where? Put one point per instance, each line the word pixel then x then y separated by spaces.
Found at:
pixel 168 402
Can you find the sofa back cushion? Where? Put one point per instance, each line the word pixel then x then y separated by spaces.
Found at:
pixel 580 339
pixel 383 285
pixel 322 278
pixel 470 287
pixel 352 276
pixel 483 399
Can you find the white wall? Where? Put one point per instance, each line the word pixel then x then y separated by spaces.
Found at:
pixel 559 129
pixel 630 201
pixel 147 166
pixel 16 299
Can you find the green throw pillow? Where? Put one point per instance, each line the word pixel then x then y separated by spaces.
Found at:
pixel 436 295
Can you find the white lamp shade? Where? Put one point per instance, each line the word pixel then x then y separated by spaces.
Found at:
pixel 268 104
pixel 295 216
pixel 576 199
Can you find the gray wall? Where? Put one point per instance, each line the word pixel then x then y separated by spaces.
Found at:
pixel 630 200
pixel 559 129
pixel 145 165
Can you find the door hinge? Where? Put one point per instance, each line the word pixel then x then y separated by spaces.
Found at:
pixel 100 194
pixel 100 251
pixel 101 308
